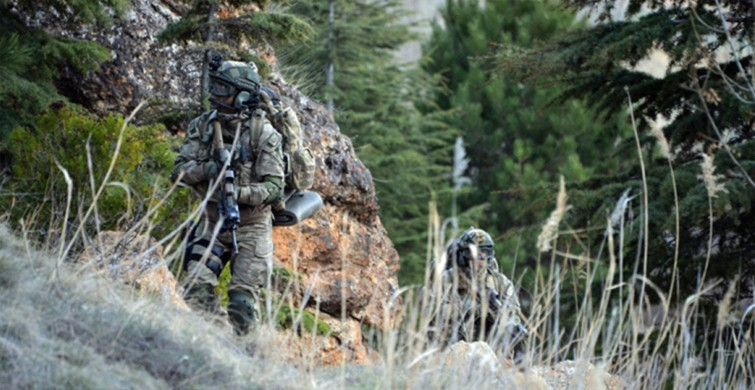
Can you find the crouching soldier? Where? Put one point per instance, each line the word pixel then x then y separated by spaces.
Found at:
pixel 237 139
pixel 478 302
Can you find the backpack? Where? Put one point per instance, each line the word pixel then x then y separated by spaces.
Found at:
pixel 298 203
pixel 300 163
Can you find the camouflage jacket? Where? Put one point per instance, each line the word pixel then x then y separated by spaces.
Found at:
pixel 257 156
pixel 466 301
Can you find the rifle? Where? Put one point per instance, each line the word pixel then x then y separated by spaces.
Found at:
pixel 514 332
pixel 228 208
pixel 494 301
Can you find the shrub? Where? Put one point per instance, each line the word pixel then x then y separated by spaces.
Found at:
pixel 86 146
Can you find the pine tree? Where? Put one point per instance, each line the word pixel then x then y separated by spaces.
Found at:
pixel 707 94
pixel 350 35
pixel 32 58
pixel 518 142
pixel 350 63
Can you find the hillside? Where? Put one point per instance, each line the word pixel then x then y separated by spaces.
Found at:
pixel 72 326
pixel 66 327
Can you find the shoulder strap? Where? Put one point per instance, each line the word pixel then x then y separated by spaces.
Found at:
pixel 204 126
pixel 256 126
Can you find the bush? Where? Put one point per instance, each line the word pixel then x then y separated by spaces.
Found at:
pixel 86 146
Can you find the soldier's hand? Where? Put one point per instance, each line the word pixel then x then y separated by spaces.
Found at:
pixel 211 169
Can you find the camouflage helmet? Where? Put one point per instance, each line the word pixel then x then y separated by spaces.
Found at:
pixel 481 240
pixel 231 77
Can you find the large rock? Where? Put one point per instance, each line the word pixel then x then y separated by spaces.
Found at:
pixel 343 253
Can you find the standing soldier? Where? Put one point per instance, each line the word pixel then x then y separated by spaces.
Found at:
pixel 237 140
pixel 477 301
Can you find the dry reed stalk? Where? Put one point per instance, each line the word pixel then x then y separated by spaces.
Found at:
pixel 663 143
pixel 710 178
pixel 550 229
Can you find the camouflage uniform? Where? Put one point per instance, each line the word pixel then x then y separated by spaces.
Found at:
pixel 259 172
pixel 477 302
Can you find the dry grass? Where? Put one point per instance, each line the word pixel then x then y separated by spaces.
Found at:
pixel 61 327
pixel 64 326
pixel 70 329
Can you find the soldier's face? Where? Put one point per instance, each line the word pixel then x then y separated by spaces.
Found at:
pixel 227 101
pixel 480 264
pixel 479 260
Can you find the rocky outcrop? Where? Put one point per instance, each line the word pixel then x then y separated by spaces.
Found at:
pixel 335 256
pixel 347 263
pixel 343 251
pixel 139 68
pixel 136 260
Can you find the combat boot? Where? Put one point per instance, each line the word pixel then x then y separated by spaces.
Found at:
pixel 202 297
pixel 242 311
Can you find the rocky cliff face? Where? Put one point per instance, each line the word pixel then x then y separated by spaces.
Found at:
pixel 140 68
pixel 346 263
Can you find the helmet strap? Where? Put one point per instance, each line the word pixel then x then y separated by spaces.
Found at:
pixel 223 105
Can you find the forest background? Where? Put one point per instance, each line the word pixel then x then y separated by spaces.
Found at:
pixel 512 106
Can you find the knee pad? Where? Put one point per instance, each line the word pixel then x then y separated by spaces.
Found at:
pixel 216 259
pixel 241 311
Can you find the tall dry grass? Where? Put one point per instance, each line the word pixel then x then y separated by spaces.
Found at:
pixel 65 325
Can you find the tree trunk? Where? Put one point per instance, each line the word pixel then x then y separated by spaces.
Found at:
pixel 209 36
pixel 329 67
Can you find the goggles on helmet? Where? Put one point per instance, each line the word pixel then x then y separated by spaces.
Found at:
pixel 486 252
pixel 221 88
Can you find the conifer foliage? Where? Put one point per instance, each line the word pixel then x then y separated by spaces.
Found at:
pixel 31 58
pixel 517 141
pixel 704 168
pixel 350 66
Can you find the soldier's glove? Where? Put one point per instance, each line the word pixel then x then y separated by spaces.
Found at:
pixel 211 169
pixel 269 191
pixel 274 187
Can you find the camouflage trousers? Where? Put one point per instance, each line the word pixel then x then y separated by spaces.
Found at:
pixel 208 253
